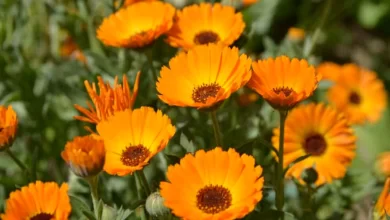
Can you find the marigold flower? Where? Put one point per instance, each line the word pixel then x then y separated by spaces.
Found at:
pixel 213 24
pixel 330 71
pixel 38 201
pixel 85 155
pixel 69 48
pixel 323 133
pixel 109 100
pixel 8 126
pixel 359 93
pixel 282 82
pixel 382 207
pixel 133 137
pixel 383 164
pixel 213 185
pixel 137 25
pixel 296 34
pixel 203 76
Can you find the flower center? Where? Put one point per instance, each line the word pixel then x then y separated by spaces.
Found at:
pixel 315 145
pixel 206 37
pixel 134 155
pixel 202 93
pixel 287 91
pixel 42 216
pixel 1 129
pixel 213 199
pixel 354 98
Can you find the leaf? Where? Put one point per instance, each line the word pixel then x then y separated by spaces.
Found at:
pixel 246 148
pixel 80 207
pixel 123 214
pixel 299 159
pixel 268 145
pixel 186 143
pixel 172 159
pixel 100 209
pixel 262 14
pixel 89 215
pixel 135 204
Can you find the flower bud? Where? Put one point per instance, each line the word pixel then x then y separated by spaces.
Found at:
pixel 155 205
pixel 8 127
pixel 309 175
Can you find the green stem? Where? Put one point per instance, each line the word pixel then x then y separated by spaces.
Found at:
pixel 93 184
pixel 17 161
pixel 280 183
pixel 144 182
pixel 149 56
pixel 307 206
pixel 217 131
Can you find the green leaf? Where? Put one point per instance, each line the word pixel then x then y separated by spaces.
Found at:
pixel 246 148
pixel 268 145
pixel 299 159
pixel 123 214
pixel 172 159
pixel 135 204
pixel 100 209
pixel 89 215
pixel 79 207
pixel 187 144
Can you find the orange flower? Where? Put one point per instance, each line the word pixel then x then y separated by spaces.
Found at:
pixel 8 126
pixel 130 2
pixel 137 25
pixel 204 76
pixel 322 132
pixel 133 137
pixel 296 34
pixel 212 24
pixel 38 201
pixel 382 206
pixel 85 155
pixel 246 99
pixel 331 71
pixel 109 100
pixel 213 185
pixel 282 82
pixel 359 93
pixel 69 48
pixel 383 163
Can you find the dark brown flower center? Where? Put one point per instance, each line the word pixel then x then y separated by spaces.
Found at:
pixel 315 145
pixel 134 155
pixel 287 91
pixel 213 199
pixel 354 98
pixel 206 37
pixel 1 129
pixel 42 216
pixel 202 93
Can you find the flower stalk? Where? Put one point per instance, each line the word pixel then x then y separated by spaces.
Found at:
pixel 217 130
pixel 280 174
pixel 93 182
pixel 17 161
pixel 144 182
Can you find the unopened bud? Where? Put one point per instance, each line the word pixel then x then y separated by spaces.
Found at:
pixel 309 175
pixel 155 205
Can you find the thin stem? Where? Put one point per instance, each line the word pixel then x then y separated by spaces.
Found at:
pixel 144 182
pixel 93 184
pixel 17 161
pixel 217 131
pixel 149 56
pixel 280 183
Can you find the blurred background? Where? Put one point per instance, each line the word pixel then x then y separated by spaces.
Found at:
pixel 48 48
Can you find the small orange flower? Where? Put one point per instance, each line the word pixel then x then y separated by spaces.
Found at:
pixel 109 100
pixel 8 126
pixel 205 23
pixel 247 3
pixel 137 25
pixel 248 98
pixel 383 163
pixel 330 71
pixel 70 49
pixel 204 76
pixel 85 155
pixel 38 201
pixel 359 93
pixel 296 34
pixel 382 207
pixel 216 184
pixel 283 82
pixel 130 2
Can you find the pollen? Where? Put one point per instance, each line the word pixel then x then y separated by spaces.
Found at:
pixel 206 37
pixel 202 93
pixel 134 155
pixel 213 199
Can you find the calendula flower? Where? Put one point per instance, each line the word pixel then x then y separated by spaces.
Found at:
pixel 330 71
pixel 137 25
pixel 283 82
pixel 38 201
pixel 382 207
pixel 359 93
pixel 383 163
pixel 203 76
pixel 8 126
pixel 133 137
pixel 213 185
pixel 205 23
pixel 85 155
pixel 296 34
pixel 69 48
pixel 248 98
pixel 109 100
pixel 323 133
pixel 130 2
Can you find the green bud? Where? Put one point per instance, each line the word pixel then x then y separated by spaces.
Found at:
pixel 155 205
pixel 309 175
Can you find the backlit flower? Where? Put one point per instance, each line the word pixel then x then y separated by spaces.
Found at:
pixel 206 23
pixel 38 201
pixel 137 25
pixel 85 155
pixel 203 76
pixel 296 34
pixel 133 137
pixel 109 100
pixel 330 71
pixel 323 133
pixel 8 126
pixel 213 185
pixel 359 93
pixel 382 207
pixel 283 82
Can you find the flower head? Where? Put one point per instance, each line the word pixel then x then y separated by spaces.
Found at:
pixel 8 126
pixel 85 155
pixel 109 100
pixel 137 25
pixel 283 82
pixel 38 201
pixel 296 34
pixel 359 93
pixel 213 24
pixel 203 76
pixel 213 185
pixel 133 137
pixel 330 71
pixel 383 163
pixel 382 206
pixel 321 132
